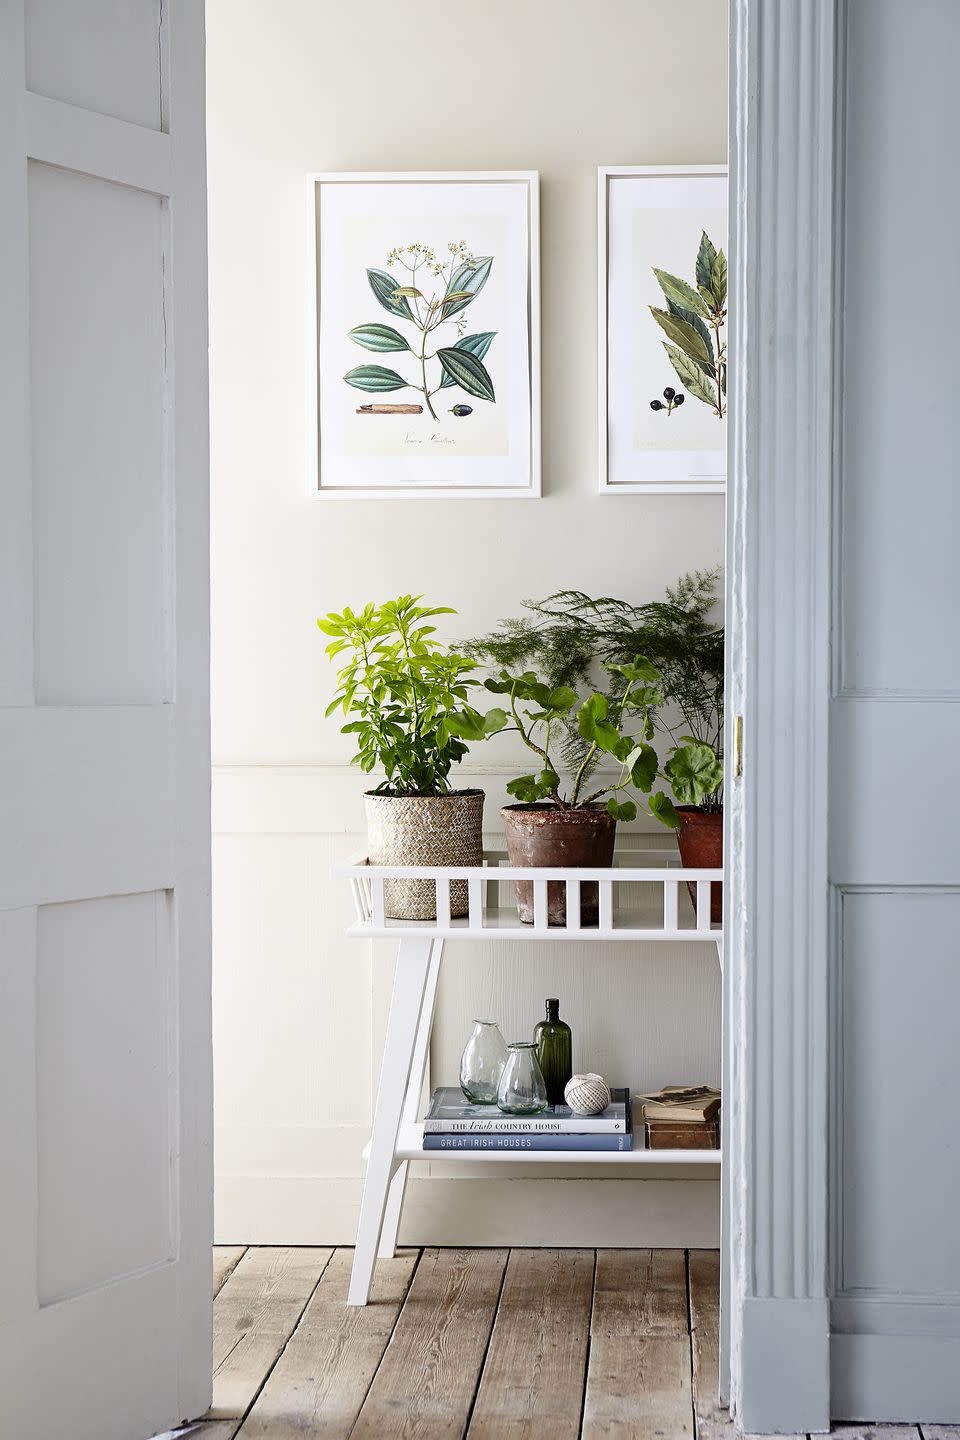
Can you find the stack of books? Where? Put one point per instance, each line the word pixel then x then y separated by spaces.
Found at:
pixel 680 1117
pixel 453 1123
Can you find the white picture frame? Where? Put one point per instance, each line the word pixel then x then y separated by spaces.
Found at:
pixel 500 460
pixel 629 461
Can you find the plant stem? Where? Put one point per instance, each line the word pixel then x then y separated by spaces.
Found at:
pixel 423 372
pixel 715 325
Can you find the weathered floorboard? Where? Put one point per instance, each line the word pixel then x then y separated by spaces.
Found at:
pixel 226 1258
pixel 428 1376
pixel 254 1316
pixel 638 1376
pixel 320 1381
pixel 532 1383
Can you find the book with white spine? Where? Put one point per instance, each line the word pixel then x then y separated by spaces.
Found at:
pixel 451 1113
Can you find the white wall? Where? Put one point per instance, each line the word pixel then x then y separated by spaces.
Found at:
pixel 560 87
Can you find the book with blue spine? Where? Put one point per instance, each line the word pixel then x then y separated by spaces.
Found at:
pixel 518 1141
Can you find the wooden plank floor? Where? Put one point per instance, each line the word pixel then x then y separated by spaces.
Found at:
pixel 481 1344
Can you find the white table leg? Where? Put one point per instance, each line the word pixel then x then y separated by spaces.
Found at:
pixel 413 965
pixel 418 1069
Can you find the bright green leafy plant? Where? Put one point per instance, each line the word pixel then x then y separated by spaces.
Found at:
pixel 433 295
pixel 621 729
pixel 692 322
pixel 410 696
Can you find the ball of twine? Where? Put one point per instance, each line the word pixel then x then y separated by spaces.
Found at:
pixel 587 1094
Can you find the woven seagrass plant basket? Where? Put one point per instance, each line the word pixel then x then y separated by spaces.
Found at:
pixel 424 830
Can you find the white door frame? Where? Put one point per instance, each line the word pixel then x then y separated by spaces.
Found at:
pixel 786 124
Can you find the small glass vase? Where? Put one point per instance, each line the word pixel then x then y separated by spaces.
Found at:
pixel 522 1088
pixel 482 1062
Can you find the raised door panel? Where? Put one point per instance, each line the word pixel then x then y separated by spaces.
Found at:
pixel 72 50
pixel 98 373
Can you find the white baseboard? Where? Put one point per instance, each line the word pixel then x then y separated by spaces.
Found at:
pixel 905 1378
pixel 315 1210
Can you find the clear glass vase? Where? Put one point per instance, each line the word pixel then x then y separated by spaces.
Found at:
pixel 522 1088
pixel 482 1062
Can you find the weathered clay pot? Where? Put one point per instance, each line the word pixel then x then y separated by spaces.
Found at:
pixel 424 830
pixel 701 848
pixel 542 835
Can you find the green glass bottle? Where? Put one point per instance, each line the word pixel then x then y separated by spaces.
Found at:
pixel 554 1052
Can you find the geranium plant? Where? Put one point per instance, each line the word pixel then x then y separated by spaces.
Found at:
pixel 622 727
pixel 409 695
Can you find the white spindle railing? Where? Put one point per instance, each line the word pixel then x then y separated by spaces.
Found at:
pixel 655 906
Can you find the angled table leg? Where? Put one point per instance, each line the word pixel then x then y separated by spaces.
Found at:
pixel 413 966
pixel 418 1069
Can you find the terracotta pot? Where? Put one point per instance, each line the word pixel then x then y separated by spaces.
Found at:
pixel 701 848
pixel 542 835
pixel 424 830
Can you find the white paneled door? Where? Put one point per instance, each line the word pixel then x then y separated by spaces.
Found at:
pixel 105 1089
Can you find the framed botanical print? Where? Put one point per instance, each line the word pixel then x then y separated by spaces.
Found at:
pixel 663 329
pixel 424 336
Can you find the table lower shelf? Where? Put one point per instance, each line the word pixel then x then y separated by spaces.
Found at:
pixel 410 1147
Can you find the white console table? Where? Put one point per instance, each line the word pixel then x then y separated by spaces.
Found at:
pixel 636 903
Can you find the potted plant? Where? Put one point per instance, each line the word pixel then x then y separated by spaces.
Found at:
pixel 408 696
pixel 573 823
pixel 564 634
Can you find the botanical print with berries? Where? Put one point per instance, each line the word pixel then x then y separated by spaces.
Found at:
pixel 424 350
pixel 666 348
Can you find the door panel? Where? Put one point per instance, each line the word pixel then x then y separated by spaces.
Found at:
pixel 105 1066
pixel 895 720
pixel 98 440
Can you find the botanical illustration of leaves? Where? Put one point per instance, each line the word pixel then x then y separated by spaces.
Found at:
pixel 468 372
pixel 682 333
pixel 411 292
pixel 384 287
pixel 477 345
pixel 678 292
pixel 691 376
pixel 468 279
pixel 378 337
pixel 375 379
pixel 701 329
pixel 705 258
pixel 718 279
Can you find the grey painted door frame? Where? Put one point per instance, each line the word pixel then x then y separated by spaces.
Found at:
pixel 786 56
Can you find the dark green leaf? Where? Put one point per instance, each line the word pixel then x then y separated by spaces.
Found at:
pixel 693 319
pixel 468 279
pixel 494 720
pixel 378 337
pixel 527 788
pixel 718 279
pixel 684 335
pixel 621 809
pixel 643 765
pixel 705 258
pixel 468 372
pixel 695 773
pixel 663 808
pixel 680 293
pixel 375 379
pixel 691 376
pixel 384 287
pixel 477 345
